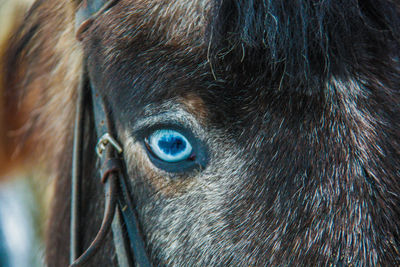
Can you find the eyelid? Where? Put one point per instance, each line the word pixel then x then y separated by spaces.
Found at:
pixel 146 130
pixel 176 119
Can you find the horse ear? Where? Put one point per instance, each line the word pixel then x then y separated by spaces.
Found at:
pixel 41 71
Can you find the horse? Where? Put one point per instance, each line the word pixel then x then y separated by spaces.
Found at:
pixel 250 133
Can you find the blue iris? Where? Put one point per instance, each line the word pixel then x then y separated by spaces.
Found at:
pixel 169 145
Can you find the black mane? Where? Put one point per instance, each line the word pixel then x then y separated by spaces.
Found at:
pixel 297 42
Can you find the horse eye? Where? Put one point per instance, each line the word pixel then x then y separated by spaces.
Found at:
pixel 169 145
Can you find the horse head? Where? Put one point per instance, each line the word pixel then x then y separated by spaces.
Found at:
pixel 253 132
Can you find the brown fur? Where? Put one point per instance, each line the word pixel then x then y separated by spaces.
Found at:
pixel 44 78
pixel 11 14
pixel 155 178
pixel 195 105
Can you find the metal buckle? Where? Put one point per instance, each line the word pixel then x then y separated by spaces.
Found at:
pixel 104 141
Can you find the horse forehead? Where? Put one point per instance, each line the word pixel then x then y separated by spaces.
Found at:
pixel 176 22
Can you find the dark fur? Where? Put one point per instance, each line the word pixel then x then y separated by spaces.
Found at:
pixel 302 128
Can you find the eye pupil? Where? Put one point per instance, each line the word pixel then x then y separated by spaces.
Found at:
pixel 172 145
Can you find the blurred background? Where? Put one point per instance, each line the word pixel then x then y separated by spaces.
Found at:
pixel 23 197
pixel 21 223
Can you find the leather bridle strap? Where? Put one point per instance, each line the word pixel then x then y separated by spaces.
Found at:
pixel 119 211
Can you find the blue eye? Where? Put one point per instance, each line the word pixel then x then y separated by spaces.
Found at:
pixel 169 145
pixel 173 148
